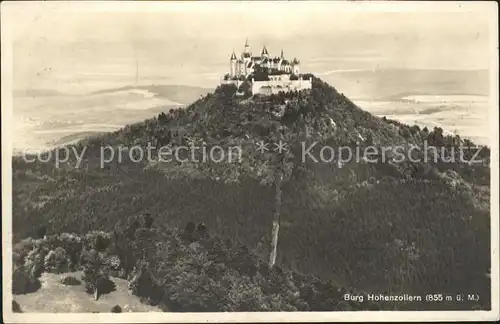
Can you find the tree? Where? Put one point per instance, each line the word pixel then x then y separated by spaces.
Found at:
pixel 246 88
pixel 140 282
pixel 96 277
pixel 227 90
pixel 34 262
pixel 144 244
pixel 188 233
pixel 16 308
pixel 41 232
pixel 190 227
pixel 147 220
pixel 22 282
pixel 101 243
pixel 162 118
pixel 132 227
pixel 271 167
pixel 201 232
pixel 56 260
pixel 124 253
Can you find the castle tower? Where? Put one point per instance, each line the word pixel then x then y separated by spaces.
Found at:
pixel 247 47
pixel 246 57
pixel 232 64
pixel 265 53
pixel 295 66
pixel 240 67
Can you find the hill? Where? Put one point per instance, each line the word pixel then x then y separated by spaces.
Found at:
pixel 387 226
pixel 177 93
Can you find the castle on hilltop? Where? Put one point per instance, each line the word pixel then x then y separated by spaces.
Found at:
pixel 265 74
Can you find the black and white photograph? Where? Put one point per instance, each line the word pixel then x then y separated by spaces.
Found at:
pixel 249 161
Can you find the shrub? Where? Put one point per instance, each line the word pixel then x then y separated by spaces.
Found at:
pixel 88 257
pixel 131 228
pixel 72 243
pixel 140 282
pixel 113 262
pixel 34 262
pixel 147 220
pixel 41 232
pixel 116 309
pixel 22 248
pixel 70 281
pixel 17 258
pixel 98 240
pixel 56 261
pixel 23 283
pixel 16 308
pixel 246 89
pixel 96 278
pixel 227 90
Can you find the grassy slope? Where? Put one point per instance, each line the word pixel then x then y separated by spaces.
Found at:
pixel 54 297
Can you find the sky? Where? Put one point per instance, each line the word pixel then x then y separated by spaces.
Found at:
pixel 280 19
pixel 58 43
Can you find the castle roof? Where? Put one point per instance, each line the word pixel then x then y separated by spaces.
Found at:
pixel 295 61
pixel 233 56
pixel 264 51
pixel 246 55
pixel 276 60
pixel 265 60
pixel 285 62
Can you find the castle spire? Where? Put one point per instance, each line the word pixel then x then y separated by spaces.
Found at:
pixel 233 56
pixel 246 45
pixel 282 56
pixel 264 52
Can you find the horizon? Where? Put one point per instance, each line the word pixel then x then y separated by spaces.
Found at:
pixel 390 54
pixel 54 46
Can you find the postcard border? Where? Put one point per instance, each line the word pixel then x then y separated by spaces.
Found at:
pixel 151 317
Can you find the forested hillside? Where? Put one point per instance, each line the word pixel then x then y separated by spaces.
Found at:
pixel 385 227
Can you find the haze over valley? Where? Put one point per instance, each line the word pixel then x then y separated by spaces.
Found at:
pixel 67 88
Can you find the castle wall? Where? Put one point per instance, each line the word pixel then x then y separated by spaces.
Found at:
pixel 280 85
pixel 232 68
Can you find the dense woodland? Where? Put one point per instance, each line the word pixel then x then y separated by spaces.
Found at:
pixel 187 270
pixel 386 227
